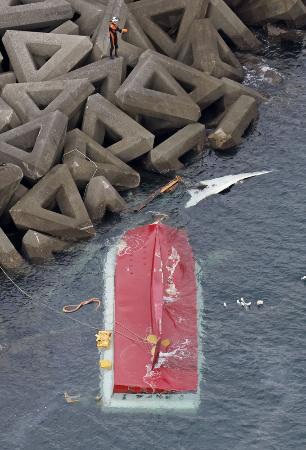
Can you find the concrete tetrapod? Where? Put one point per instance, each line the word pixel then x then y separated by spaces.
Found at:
pixel 38 247
pixel 224 19
pixel 106 75
pixel 254 12
pixel 56 191
pixel 35 146
pixel 165 157
pixel 235 122
pixel 86 158
pixel 5 218
pixel 9 257
pixel 167 22
pixel 209 52
pixel 202 88
pixel 34 14
pixel 31 100
pixel 115 130
pixel 131 44
pixel 90 14
pixel 152 91
pixel 8 117
pixel 100 195
pixel 10 178
pixel 5 78
pixel 44 56
pixel 67 27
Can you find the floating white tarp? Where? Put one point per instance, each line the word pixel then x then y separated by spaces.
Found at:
pixel 217 185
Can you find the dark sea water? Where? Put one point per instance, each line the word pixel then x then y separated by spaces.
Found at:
pixel 250 242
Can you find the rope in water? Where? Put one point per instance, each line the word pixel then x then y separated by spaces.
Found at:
pixel 76 308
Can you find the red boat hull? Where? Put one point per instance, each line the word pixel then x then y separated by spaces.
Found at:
pixel 155 294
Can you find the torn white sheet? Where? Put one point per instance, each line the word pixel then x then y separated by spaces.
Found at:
pixel 217 185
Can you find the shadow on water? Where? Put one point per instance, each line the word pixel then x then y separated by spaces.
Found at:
pixel 250 244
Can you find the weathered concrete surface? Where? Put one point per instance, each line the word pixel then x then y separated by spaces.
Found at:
pixel 5 218
pixel 131 44
pixel 5 78
pixel 56 190
pixel 100 37
pixel 166 156
pixel 91 13
pixel 38 247
pixel 34 15
pixel 115 130
pixel 106 76
pixel 86 158
pixel 163 24
pixel 223 18
pixel 237 119
pixel 233 90
pixel 209 53
pixel 59 53
pixel 10 178
pixel 9 257
pixel 254 12
pixel 152 91
pixel 8 117
pixel 100 196
pixel 67 27
pixel 31 100
pixel 35 146
pixel 202 88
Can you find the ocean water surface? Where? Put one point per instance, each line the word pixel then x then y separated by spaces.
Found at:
pixel 249 241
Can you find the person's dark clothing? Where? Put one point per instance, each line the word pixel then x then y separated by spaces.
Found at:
pixel 113 30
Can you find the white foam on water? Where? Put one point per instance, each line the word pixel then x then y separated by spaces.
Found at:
pixel 217 185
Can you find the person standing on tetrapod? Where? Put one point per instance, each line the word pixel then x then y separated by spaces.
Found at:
pixel 113 30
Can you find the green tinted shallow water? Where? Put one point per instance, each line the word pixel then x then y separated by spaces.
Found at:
pixel 250 243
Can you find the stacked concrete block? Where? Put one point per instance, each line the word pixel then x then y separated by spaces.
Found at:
pixel 234 124
pixel 100 196
pixel 10 178
pixel 35 146
pixel 67 27
pixel 166 156
pixel 9 256
pixel 114 129
pixel 90 13
pixel 31 100
pixel 87 159
pixel 38 209
pixel 106 75
pixel 34 15
pixel 44 56
pixel 38 247
pixel 167 23
pixel 176 75
pixel 254 12
pixel 5 217
pixel 224 19
pixel 209 52
pixel 8 117
pixel 151 90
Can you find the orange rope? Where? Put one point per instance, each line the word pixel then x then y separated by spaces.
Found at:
pixel 74 308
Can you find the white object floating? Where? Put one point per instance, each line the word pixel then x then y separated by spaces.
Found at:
pixel 259 303
pixel 225 305
pixel 243 303
pixel 217 185
pixel 303 278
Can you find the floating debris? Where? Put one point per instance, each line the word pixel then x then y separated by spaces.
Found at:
pixel 71 398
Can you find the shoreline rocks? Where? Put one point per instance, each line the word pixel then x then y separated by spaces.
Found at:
pixel 72 120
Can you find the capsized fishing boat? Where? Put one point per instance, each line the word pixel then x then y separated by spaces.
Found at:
pixel 150 350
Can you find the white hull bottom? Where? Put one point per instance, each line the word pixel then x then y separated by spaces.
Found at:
pixel 151 402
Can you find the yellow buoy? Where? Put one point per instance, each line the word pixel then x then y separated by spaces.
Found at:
pixel 105 364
